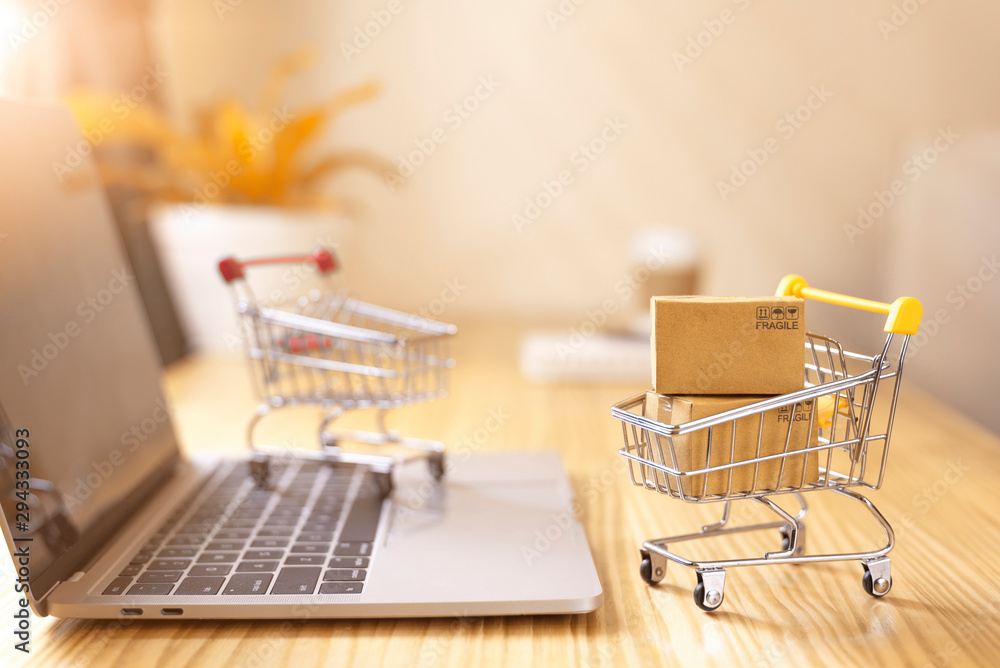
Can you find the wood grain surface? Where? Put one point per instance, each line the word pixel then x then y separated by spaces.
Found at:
pixel 940 494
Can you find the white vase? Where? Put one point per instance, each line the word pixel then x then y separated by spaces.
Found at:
pixel 190 241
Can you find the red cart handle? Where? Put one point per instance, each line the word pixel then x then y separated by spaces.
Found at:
pixel 232 269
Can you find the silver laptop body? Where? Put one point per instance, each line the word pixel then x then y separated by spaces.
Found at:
pixel 116 522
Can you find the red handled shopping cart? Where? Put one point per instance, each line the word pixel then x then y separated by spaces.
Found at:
pixel 341 354
pixel 848 402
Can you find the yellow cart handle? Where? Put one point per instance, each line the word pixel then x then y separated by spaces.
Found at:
pixel 904 313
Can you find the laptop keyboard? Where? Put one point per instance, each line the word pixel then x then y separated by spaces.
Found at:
pixel 312 533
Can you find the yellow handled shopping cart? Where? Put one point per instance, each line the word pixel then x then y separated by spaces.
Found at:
pixel 837 438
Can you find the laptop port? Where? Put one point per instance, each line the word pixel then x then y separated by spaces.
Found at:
pixel 172 611
pixel 131 611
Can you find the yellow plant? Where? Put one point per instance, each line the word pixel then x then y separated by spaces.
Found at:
pixel 230 155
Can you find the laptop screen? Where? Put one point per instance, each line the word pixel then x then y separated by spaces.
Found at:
pixel 84 428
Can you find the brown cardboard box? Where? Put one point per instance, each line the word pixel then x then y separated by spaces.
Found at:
pixel 692 449
pixel 727 345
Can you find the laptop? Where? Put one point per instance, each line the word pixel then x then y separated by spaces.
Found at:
pixel 114 521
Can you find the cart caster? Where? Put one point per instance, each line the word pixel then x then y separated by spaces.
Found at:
pixel 435 462
pixel 260 471
pixel 877 579
pixel 786 540
pixel 652 574
pixel 710 590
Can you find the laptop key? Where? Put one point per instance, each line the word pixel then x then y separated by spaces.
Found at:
pixel 169 564
pixel 315 537
pixel 117 587
pixel 161 576
pixel 199 586
pixel 290 511
pixel 296 580
pixel 256 566
pixel 311 548
pixel 130 571
pixel 176 552
pixel 319 526
pixel 351 549
pixel 282 521
pixel 341 587
pixel 276 531
pixel 218 557
pixel 270 542
pixel 232 534
pixel 141 558
pixel 150 589
pixel 362 522
pixel 187 540
pixel 345 574
pixel 203 570
pixel 248 583
pixel 305 560
pixel 348 562
pixel 225 546
pixel 263 555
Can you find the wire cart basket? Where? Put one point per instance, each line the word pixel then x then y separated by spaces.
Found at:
pixel 847 448
pixel 340 354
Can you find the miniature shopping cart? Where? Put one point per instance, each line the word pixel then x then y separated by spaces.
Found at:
pixel 341 354
pixel 850 401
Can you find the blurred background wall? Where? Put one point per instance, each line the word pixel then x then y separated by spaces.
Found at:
pixel 854 143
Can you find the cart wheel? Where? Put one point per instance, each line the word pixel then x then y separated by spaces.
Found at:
pixel 646 572
pixel 877 587
pixel 435 462
pixel 700 598
pixel 651 575
pixel 709 596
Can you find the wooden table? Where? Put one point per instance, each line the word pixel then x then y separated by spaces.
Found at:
pixel 940 494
